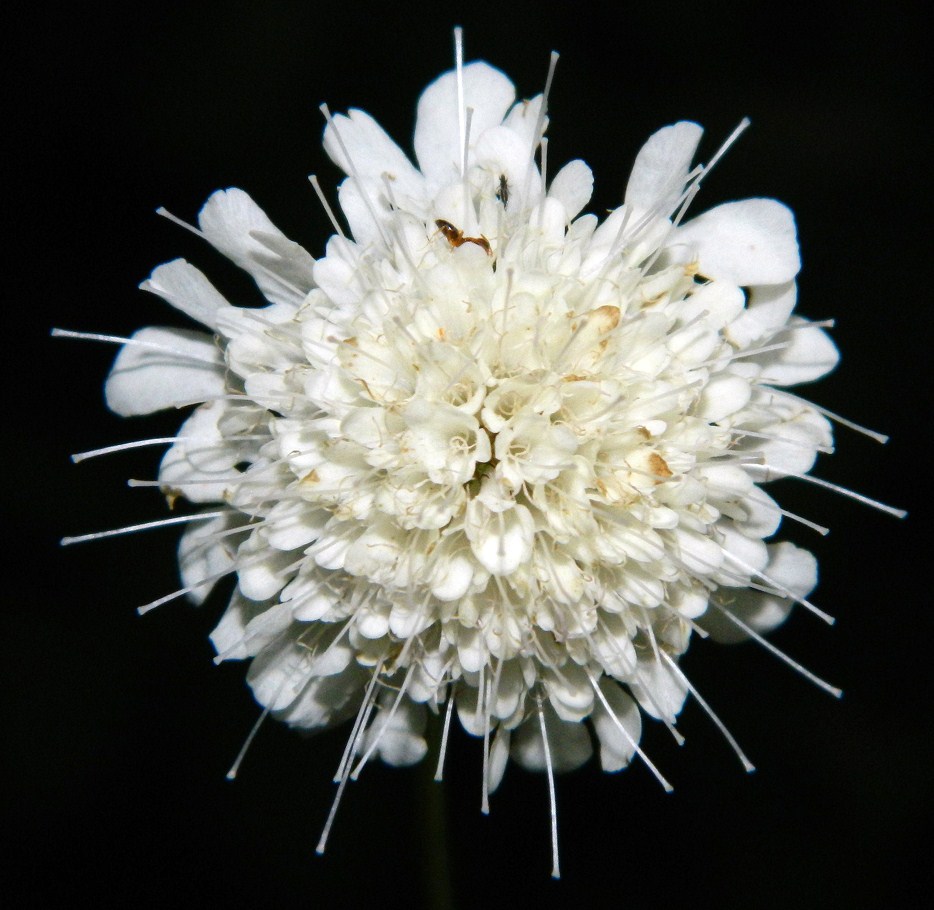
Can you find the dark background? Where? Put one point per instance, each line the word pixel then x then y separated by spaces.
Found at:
pixel 120 729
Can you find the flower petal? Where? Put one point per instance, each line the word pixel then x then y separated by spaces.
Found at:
pixel 568 743
pixel 203 554
pixel 661 167
pixel 188 290
pixel 749 242
pixel 437 132
pixel 398 733
pixel 791 567
pixel 809 355
pixel 201 464
pixel 616 747
pixel 235 225
pixel 164 368
pixel 572 186
pixel 372 153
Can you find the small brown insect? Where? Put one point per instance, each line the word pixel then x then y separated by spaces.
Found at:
pixel 455 236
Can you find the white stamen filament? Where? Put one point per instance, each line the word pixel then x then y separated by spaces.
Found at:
pixel 552 796
pixel 781 655
pixel 145 526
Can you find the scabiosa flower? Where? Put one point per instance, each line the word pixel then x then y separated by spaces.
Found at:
pixel 488 453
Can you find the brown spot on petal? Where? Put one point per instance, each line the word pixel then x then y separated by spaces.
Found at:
pixel 643 432
pixel 311 477
pixel 605 317
pixel 659 466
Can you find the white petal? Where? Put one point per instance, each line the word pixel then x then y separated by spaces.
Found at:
pixel 572 186
pixel 279 672
pixel 372 153
pixel 365 209
pixel 499 757
pixel 201 464
pixel 766 312
pixel 763 514
pixel 324 700
pixel 188 290
pixel 437 131
pixel 810 354
pixel 281 269
pixel 228 635
pixel 201 554
pixel 568 743
pixel 292 524
pixel 501 541
pixel 725 394
pixel 569 692
pixel 166 368
pixel 749 242
pixel 659 690
pixel 616 747
pixel 745 556
pixel 261 572
pixel 794 448
pixel 337 273
pixel 789 566
pixel 522 119
pixel 400 739
pixel 452 575
pixel 662 166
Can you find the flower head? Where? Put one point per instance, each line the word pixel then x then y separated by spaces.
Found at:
pixel 488 452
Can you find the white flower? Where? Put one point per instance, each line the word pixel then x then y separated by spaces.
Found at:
pixel 488 452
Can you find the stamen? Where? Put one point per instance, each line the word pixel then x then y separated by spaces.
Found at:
pixel 740 129
pixel 235 767
pixel 165 213
pixel 119 339
pixel 145 526
pixel 543 109
pixel 539 125
pixel 366 705
pixel 543 146
pixel 781 655
pixel 836 418
pixel 326 206
pixel 747 764
pixel 392 713
pixel 490 699
pixel 552 798
pixel 827 485
pixel 331 122
pixel 648 763
pixel 439 771
pixel 122 447
pixel 786 592
pixel 459 76
pixel 323 840
pixel 470 216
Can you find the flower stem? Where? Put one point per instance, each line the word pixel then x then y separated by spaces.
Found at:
pixel 436 875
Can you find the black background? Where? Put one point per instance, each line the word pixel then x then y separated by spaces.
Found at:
pixel 120 729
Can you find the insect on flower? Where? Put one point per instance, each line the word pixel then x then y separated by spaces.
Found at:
pixel 456 237
pixel 510 476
